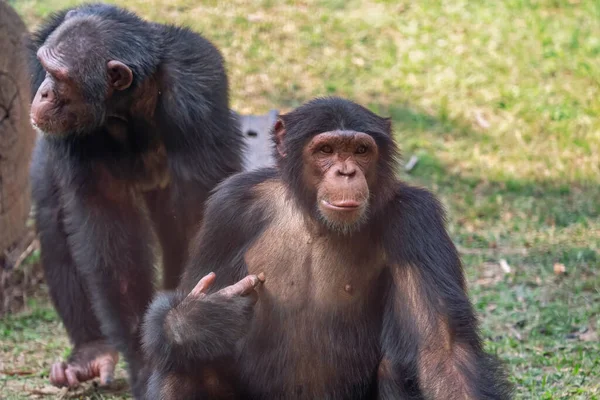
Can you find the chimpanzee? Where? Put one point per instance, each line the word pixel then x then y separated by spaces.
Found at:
pixel 136 131
pixel 348 285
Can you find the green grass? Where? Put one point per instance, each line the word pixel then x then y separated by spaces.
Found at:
pixel 499 100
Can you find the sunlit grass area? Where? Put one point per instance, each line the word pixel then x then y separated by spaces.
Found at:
pixel 500 102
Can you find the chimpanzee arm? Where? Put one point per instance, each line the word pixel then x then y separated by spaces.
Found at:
pixel 181 332
pixel 64 281
pixel 111 243
pixel 430 331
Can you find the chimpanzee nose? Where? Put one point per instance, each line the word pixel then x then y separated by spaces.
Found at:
pixel 347 171
pixel 45 94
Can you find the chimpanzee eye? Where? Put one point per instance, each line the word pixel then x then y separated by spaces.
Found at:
pixel 361 150
pixel 327 149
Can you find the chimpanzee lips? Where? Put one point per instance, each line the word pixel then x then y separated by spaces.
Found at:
pixel 342 205
pixel 38 125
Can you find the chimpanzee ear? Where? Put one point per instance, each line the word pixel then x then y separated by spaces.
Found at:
pixel 279 132
pixel 120 76
pixel 70 14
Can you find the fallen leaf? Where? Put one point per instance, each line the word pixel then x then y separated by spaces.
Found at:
pixel 507 216
pixel 504 265
pixel 358 61
pixel 256 17
pixel 538 280
pixel 481 121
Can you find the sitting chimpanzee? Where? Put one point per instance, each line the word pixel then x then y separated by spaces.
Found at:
pixel 363 294
pixel 136 131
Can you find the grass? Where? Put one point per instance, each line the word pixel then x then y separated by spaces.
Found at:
pixel 500 102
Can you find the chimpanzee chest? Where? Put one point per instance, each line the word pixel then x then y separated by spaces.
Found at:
pixel 304 269
pixel 136 160
pixel 317 323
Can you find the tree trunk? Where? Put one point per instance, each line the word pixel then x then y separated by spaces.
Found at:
pixel 16 134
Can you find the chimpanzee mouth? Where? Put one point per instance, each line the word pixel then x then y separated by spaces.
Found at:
pixel 342 205
pixel 44 129
pixel 39 129
pixel 345 217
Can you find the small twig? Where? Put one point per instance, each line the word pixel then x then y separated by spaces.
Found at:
pixel 411 163
pixel 484 252
pixel 515 333
pixel 34 245
pixel 16 372
pixel 47 391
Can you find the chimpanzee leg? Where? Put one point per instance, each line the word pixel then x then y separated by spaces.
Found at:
pixel 66 287
pixel 169 231
pixel 111 240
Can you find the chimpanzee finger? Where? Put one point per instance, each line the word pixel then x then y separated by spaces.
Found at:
pixel 71 377
pixel 241 288
pixel 203 285
pixel 57 374
pixel 107 371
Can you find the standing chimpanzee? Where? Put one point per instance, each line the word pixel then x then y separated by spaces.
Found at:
pixel 136 131
pixel 363 294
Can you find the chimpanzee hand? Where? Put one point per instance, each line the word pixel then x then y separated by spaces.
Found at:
pixel 232 306
pixel 178 334
pixel 89 361
pixel 213 323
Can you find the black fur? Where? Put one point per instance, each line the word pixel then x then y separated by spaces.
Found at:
pixel 94 221
pixel 372 350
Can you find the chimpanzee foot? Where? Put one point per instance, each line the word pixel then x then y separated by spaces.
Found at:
pixel 88 361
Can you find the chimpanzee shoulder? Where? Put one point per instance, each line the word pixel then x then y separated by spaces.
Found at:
pixel 236 197
pixel 194 77
pixel 416 219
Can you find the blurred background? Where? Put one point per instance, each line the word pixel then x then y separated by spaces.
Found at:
pixel 496 109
